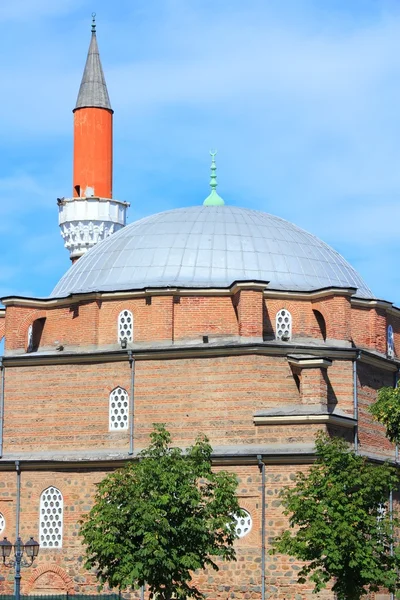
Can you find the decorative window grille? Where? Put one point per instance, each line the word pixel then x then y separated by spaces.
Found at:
pixel 30 338
pixel 51 518
pixel 390 342
pixel 2 523
pixel 119 409
pixel 243 524
pixel 283 325
pixel 125 326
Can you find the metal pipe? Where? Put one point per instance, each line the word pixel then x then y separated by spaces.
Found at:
pixel 355 401
pixel 261 466
pixel 131 401
pixel 1 405
pixel 396 448
pixel 391 530
pixel 18 550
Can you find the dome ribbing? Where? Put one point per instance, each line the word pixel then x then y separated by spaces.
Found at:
pixel 210 246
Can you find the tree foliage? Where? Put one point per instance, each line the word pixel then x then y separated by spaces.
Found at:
pixel 338 523
pixel 160 518
pixel 386 410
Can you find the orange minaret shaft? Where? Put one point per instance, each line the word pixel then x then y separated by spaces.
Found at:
pixel 93 131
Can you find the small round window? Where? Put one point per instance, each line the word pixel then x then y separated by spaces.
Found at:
pixel 243 523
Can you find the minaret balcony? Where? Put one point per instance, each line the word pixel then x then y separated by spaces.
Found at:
pixel 85 221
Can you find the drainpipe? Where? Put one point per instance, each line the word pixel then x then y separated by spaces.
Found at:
pixel 355 401
pixel 391 530
pixel 132 401
pixel 396 449
pixel 396 460
pixel 261 466
pixel 17 577
pixel 1 405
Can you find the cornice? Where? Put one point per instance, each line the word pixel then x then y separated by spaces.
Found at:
pixel 2 313
pixel 327 419
pixel 383 304
pixel 177 291
pixel 311 295
pixel 173 352
pixel 309 362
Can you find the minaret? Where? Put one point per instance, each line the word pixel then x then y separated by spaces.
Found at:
pixel 91 214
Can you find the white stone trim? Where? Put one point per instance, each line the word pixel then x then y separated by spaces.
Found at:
pixel 85 221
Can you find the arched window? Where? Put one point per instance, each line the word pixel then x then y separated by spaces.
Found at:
pixel 35 334
pixel 321 323
pixel 125 326
pixel 51 518
pixel 119 409
pixel 283 325
pixel 2 523
pixel 390 342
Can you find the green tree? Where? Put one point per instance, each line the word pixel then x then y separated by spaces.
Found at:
pixel 338 523
pixel 386 410
pixel 160 518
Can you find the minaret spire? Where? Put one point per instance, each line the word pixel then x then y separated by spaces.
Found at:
pixel 91 214
pixel 214 199
pixel 93 91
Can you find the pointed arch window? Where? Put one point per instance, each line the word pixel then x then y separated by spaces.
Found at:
pixel 283 325
pixel 119 410
pixel 51 518
pixel 125 326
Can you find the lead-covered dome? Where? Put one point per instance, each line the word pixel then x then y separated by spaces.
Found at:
pixel 210 246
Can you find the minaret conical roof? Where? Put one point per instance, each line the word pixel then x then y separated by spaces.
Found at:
pixel 93 90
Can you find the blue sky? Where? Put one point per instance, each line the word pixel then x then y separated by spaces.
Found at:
pixel 300 97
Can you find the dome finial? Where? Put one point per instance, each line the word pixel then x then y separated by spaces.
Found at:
pixel 93 22
pixel 214 199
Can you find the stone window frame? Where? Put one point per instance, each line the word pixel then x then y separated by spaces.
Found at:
pixel 46 505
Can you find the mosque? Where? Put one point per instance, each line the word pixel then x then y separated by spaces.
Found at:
pixel 211 318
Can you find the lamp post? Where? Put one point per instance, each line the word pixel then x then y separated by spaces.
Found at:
pixel 31 550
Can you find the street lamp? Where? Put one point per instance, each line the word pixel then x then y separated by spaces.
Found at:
pixel 31 550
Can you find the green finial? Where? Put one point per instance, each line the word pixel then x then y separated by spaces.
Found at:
pixel 93 22
pixel 213 199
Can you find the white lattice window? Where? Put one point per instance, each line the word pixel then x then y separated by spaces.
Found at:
pixel 390 342
pixel 30 338
pixel 51 518
pixel 283 325
pixel 243 524
pixel 2 523
pixel 119 409
pixel 125 326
